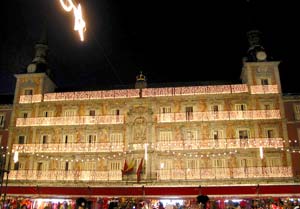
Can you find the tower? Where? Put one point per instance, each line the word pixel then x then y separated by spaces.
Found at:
pixel 258 68
pixel 36 80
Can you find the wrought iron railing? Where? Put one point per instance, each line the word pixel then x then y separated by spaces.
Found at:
pixel 69 147
pixel 220 144
pixel 219 116
pixel 71 120
pixel 62 175
pixel 224 173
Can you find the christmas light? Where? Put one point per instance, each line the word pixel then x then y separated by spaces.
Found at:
pixel 79 23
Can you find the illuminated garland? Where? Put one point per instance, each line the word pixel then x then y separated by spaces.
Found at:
pixel 150 92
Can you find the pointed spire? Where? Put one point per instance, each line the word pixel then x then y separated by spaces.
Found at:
pixel 39 62
pixel 256 52
pixel 44 35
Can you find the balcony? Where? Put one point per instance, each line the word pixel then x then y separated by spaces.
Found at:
pixel 264 89
pixel 25 99
pixel 218 116
pixel 162 175
pixel 68 148
pixel 69 121
pixel 62 175
pixel 221 144
pixel 224 173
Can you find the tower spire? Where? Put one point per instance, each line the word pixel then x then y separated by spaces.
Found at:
pixel 39 62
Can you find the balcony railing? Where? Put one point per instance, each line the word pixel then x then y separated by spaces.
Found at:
pixel 160 146
pixel 221 144
pixel 218 116
pixel 163 174
pixel 69 147
pixel 71 120
pixel 264 89
pixel 224 173
pixel 150 92
pixel 24 99
pixel 61 175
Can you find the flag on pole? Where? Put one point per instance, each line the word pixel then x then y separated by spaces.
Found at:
pixel 139 170
pixel 124 168
pixel 127 167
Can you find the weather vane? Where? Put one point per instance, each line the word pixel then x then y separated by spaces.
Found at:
pixel 79 23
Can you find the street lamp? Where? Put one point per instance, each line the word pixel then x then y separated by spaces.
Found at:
pixel 4 170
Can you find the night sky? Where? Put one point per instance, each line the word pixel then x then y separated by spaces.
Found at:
pixel 170 41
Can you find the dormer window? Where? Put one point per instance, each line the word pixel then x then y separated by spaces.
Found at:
pixel 264 81
pixel 25 114
pixel 28 92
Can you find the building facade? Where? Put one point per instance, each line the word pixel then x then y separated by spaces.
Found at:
pixel 5 114
pixel 291 106
pixel 221 140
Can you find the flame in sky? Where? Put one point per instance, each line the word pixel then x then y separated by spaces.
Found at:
pixel 79 23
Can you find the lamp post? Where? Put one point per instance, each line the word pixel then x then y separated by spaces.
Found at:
pixel 4 171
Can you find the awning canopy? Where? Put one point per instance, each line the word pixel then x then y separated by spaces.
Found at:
pixel 148 191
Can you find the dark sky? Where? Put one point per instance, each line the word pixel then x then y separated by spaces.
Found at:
pixel 170 41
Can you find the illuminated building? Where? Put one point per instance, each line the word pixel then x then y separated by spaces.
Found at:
pixel 292 112
pixel 5 113
pixel 226 140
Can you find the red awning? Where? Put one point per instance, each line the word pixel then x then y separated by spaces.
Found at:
pixel 254 190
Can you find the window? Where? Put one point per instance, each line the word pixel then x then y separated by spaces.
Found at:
pixel 115 166
pixel 217 134
pixel 92 112
pixel 90 166
pixel 69 113
pixel 21 140
pixel 240 107
pixel 267 106
pixel 44 139
pixel 2 118
pixel 67 166
pixel 165 136
pixel 264 81
pixel 273 162
pixel 297 111
pixel 165 110
pixel 270 133
pixel 91 138
pixel 165 165
pixel 116 138
pixel 48 113
pixel 219 163
pixel 192 164
pixel 28 92
pixel 189 112
pixel 245 163
pixel 191 136
pixel 243 134
pixel 25 114
pixel 39 166
pixel 165 114
pixel 115 112
pixel 16 166
pixel 215 108
pixel 67 138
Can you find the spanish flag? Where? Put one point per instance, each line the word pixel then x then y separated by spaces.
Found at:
pixel 139 171
pixel 128 167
